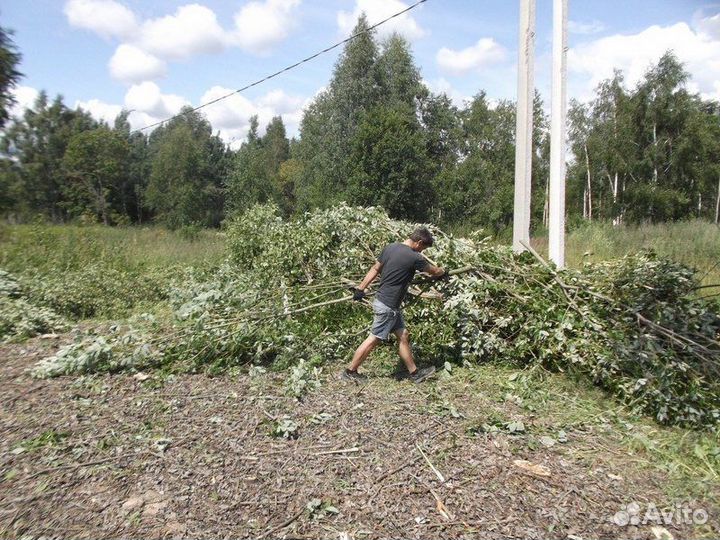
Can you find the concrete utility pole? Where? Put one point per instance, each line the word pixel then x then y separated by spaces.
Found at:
pixel 524 125
pixel 556 223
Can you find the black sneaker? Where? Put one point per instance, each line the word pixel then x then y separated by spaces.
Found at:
pixel 353 376
pixel 421 374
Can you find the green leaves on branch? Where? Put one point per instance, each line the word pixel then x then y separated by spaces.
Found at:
pixel 20 318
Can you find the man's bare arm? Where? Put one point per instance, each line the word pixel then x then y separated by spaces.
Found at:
pixel 434 271
pixel 373 273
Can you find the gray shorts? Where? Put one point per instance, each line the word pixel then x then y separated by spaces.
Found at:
pixel 386 320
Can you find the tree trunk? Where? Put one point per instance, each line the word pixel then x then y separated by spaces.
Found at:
pixel 585 203
pixel 589 185
pixel 102 203
pixel 717 203
pixel 655 171
pixel 138 202
pixel 614 184
pixel 546 206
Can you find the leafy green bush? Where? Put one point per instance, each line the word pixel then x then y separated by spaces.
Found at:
pixel 98 290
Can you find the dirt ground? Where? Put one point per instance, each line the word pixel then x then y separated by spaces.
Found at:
pixel 193 457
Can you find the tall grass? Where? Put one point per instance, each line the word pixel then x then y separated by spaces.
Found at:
pixel 102 272
pixel 51 248
pixel 694 243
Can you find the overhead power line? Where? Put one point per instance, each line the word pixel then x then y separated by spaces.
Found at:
pixel 288 68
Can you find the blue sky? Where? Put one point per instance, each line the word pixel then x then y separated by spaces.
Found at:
pixel 154 57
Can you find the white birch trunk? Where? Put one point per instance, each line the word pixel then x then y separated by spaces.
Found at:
pixel 655 171
pixel 717 203
pixel 589 185
pixel 614 183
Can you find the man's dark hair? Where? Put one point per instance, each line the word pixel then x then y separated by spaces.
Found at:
pixel 421 234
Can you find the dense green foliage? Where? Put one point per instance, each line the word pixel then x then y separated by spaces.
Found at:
pixel 95 163
pixel 633 326
pixel 21 318
pixel 9 75
pixel 376 135
pixel 649 153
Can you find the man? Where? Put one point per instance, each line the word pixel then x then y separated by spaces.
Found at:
pixel 396 267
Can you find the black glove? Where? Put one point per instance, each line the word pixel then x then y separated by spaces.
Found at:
pixel 358 294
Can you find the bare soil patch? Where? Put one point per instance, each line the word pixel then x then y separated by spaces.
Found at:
pixel 192 456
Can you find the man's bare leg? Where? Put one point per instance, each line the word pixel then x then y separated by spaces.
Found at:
pixel 404 350
pixel 363 351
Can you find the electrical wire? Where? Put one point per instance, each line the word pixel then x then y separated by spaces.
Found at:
pixel 288 68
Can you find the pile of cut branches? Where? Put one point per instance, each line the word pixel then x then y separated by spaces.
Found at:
pixel 20 318
pixel 633 326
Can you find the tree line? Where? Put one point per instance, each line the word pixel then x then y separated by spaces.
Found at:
pixel 375 136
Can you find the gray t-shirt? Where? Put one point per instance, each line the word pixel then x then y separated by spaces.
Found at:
pixel 399 264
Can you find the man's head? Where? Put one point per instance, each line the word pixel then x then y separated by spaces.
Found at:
pixel 421 239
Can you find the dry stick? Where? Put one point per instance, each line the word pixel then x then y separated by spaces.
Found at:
pixel 413 462
pixel 706 286
pixel 283 525
pixel 198 396
pixel 553 273
pixel 441 508
pixel 707 272
pixel 342 451
pixel 74 467
pixel 396 470
pixel 491 279
pixel 437 473
pixel 678 339
pixel 314 306
pixel 222 323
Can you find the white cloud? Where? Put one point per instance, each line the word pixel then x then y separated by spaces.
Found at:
pixel 710 25
pixel 280 102
pixel 25 97
pixel 147 98
pixel 485 52
pixel 231 116
pixel 378 10
pixel 193 29
pixel 592 27
pixel 131 64
pixel 100 110
pixel 443 86
pixel 594 61
pixel 106 18
pixel 261 25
